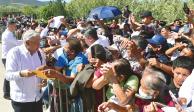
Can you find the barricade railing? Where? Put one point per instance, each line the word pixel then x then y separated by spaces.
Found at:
pixel 67 99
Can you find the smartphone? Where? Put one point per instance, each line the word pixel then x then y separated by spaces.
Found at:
pixel 186 8
pixel 173 97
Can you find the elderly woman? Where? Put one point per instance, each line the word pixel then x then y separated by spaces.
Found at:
pixel 152 85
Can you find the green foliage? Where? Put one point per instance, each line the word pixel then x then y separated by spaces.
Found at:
pixel 167 10
pixel 81 8
pixel 29 10
pixel 8 9
pixel 54 8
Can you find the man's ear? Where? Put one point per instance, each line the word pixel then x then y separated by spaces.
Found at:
pixel 72 51
pixel 172 70
pixel 121 77
pixel 156 94
pixel 27 43
pixel 160 47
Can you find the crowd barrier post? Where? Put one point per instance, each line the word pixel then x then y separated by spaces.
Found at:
pixel 60 97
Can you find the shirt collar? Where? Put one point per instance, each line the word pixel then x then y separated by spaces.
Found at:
pixel 25 50
pixel 8 30
pixel 96 42
pixel 172 85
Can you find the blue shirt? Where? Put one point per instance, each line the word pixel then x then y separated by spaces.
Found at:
pixel 70 66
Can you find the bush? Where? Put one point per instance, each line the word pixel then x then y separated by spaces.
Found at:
pixel 167 10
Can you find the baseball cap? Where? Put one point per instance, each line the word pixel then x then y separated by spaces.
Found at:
pixel 157 40
pixel 146 14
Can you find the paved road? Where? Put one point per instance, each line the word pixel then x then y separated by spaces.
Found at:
pixel 5 105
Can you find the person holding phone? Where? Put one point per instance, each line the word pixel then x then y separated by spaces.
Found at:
pixel 146 28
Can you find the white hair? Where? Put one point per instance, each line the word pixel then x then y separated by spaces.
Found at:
pixel 154 79
pixel 30 34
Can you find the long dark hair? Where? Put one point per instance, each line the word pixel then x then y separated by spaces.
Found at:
pixel 123 67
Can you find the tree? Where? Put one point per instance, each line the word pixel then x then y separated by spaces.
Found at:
pixel 29 10
pixel 54 8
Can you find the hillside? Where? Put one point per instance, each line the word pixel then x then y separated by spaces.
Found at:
pixel 28 2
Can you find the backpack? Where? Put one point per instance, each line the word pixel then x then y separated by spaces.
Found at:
pixel 83 98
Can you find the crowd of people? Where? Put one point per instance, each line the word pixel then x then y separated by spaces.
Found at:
pixel 98 66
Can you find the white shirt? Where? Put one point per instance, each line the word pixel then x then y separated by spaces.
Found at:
pixel 23 89
pixel 8 41
pixel 187 89
pixel 102 40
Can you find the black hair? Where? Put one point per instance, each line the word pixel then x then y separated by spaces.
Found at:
pixel 191 47
pixel 98 51
pixel 90 23
pixel 74 44
pixel 83 43
pixel 177 20
pixel 183 62
pixel 140 42
pixel 162 23
pixel 183 40
pixel 167 28
pixel 123 67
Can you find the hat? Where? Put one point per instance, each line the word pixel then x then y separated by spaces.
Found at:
pixel 90 32
pixel 29 34
pixel 146 14
pixel 11 21
pixel 157 40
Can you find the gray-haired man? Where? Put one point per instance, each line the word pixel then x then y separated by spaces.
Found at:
pixel 21 60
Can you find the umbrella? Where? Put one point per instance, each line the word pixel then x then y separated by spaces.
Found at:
pixel 104 12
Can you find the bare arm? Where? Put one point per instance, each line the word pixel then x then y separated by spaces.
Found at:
pixel 164 67
pixel 171 50
pixel 134 25
pixel 100 83
pixel 51 73
pixel 112 106
pixel 50 49
pixel 65 79
pixel 123 96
